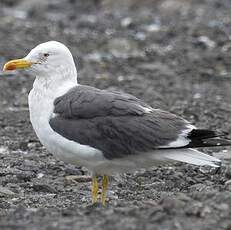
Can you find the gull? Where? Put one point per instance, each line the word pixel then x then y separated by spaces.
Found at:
pixel 108 132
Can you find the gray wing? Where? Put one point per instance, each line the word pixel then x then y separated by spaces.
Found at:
pixel 117 124
pixel 88 102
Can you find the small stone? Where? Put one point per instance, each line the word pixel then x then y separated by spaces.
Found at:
pixel 3 150
pixel 228 172
pixel 206 41
pixel 197 96
pixel 79 179
pixel 120 78
pixel 194 209
pixel 44 188
pixel 6 192
pixel 140 36
pixel 31 145
pixel 223 207
pixel 205 211
pixel 183 197
pixel 25 175
pixel 153 28
pixel 228 182
pixel 197 187
pixel 126 22
pixel 40 175
pixel 226 47
pixel 72 170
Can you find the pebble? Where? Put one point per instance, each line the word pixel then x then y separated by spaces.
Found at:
pixel 40 175
pixel 5 192
pixel 44 188
pixel 126 22
pixel 140 36
pixel 228 182
pixel 206 41
pixel 3 150
pixel 153 28
pixel 79 179
pixel 222 207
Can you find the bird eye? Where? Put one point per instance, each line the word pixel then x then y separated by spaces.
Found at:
pixel 46 54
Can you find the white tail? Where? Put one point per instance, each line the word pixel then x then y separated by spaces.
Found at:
pixel 191 156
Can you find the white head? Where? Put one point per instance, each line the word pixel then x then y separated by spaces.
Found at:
pixel 51 61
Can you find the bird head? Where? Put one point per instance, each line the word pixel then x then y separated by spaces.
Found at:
pixel 45 58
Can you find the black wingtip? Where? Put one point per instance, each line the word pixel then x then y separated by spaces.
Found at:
pixel 205 134
pixel 207 138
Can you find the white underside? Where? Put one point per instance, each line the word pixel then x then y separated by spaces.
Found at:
pixel 41 109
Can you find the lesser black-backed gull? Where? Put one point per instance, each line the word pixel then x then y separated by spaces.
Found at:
pixel 106 131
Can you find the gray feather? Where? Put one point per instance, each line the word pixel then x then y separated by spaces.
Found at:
pixel 113 122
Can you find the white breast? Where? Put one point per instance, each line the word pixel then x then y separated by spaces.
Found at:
pixel 41 109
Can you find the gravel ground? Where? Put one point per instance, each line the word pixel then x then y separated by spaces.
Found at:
pixel 173 54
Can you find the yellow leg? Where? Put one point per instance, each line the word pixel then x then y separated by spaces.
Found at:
pixel 104 189
pixel 95 189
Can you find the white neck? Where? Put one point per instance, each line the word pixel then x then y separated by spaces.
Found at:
pixel 55 85
pixel 45 90
pixel 47 86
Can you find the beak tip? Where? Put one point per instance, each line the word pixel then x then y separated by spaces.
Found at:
pixel 16 64
pixel 7 67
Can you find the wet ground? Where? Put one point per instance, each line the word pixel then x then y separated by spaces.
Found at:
pixel 175 55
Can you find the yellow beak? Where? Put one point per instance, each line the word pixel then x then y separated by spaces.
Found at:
pixel 17 64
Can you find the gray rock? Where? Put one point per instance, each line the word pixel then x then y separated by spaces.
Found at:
pixel 6 192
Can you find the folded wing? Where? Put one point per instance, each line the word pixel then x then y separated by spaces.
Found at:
pixel 119 124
